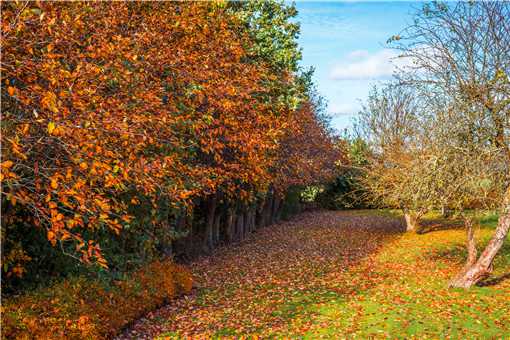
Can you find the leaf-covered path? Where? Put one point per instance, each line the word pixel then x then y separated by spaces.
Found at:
pixel 260 285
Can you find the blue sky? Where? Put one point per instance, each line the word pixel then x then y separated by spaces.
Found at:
pixel 346 43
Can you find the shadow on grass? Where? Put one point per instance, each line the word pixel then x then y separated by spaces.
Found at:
pixel 494 280
pixel 428 225
pixel 432 225
pixel 457 253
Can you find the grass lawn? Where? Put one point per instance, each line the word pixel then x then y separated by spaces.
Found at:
pixel 404 293
pixel 339 275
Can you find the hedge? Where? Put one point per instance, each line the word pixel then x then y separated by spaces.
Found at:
pixel 82 308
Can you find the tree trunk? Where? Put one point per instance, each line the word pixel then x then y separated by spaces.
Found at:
pixel 276 207
pixel 245 224
pixel 252 218
pixel 259 214
pixel 445 212
pixel 230 222
pixel 216 230
pixel 167 246
pixel 471 243
pixel 480 269
pixel 471 248
pixel 268 209
pixel 209 223
pixel 239 227
pixel 190 238
pixel 411 220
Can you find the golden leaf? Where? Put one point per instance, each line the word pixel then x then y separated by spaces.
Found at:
pixel 7 164
pixel 54 184
pixel 51 127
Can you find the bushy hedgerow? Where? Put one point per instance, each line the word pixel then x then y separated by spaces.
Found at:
pixel 81 308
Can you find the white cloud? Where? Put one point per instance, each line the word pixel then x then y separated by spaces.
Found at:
pixel 361 64
pixel 344 109
pixel 358 54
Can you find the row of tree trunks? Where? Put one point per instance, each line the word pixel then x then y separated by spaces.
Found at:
pixel 215 221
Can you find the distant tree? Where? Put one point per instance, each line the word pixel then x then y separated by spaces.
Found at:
pixel 347 191
pixel 389 123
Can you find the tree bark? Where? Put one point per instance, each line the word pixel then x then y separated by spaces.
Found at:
pixel 259 214
pixel 276 207
pixel 471 249
pixel 482 268
pixel 216 230
pixel 239 226
pixel 253 211
pixel 209 224
pixel 245 224
pixel 189 248
pixel 230 222
pixel 471 243
pixel 167 246
pixel 268 209
pixel 411 220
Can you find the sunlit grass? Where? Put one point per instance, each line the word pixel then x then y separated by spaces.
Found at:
pixel 409 297
pixel 398 292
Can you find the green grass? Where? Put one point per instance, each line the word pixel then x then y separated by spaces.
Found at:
pixel 398 292
pixel 409 297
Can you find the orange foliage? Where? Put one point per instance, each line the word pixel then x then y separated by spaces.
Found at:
pixel 307 154
pixel 148 99
pixel 83 308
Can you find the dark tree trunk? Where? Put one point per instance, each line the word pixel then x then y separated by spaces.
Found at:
pixel 239 226
pixel 229 225
pixel 259 214
pixel 179 244
pixel 276 208
pixel 216 230
pixel 251 218
pixel 209 223
pixel 189 248
pixel 245 224
pixel 167 246
pixel 268 209
pixel 168 250
pixel 482 268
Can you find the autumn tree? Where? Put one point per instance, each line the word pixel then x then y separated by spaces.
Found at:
pixel 389 123
pixel 132 125
pixel 460 54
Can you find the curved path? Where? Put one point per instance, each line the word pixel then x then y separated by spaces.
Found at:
pixel 263 285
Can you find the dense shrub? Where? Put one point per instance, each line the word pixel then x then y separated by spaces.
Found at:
pixel 81 308
pixel 347 190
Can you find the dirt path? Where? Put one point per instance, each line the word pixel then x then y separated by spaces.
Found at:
pixel 260 285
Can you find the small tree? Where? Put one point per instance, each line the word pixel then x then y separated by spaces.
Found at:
pixel 460 60
pixel 389 123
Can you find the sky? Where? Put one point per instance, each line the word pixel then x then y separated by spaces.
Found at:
pixel 346 44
